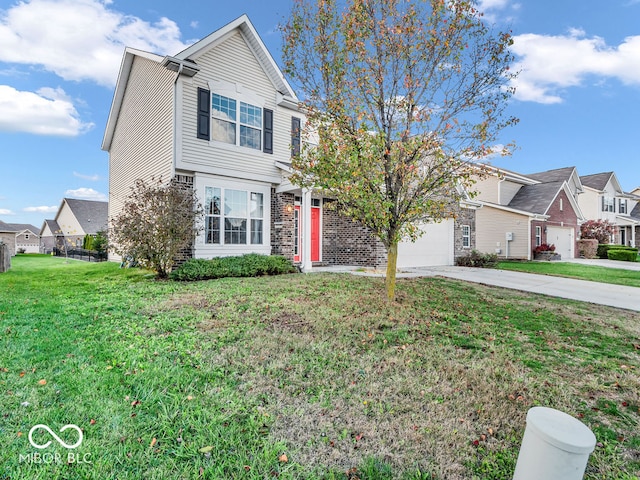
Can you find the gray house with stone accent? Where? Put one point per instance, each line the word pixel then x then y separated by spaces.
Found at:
pixel 20 237
pixel 220 118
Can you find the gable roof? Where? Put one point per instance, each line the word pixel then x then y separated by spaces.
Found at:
pixel 536 198
pixel 597 181
pixel 53 226
pixel 248 31
pixel 185 63
pixel 555 175
pixel 18 228
pixel 91 215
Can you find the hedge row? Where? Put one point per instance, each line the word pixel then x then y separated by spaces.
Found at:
pixel 604 248
pixel 250 265
pixel 627 255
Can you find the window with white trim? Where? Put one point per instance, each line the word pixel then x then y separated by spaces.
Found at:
pixel 466 236
pixel 233 217
pixel 226 119
pixel 622 205
pixel 228 125
pixel 538 236
pixel 608 204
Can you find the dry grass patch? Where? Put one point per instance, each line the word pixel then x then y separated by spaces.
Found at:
pixel 438 383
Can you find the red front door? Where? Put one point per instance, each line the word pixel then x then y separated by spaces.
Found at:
pixel 315 234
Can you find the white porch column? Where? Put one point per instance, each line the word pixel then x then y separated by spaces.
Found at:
pixel 306 230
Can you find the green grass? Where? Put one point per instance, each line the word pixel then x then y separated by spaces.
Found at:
pixel 617 276
pixel 301 376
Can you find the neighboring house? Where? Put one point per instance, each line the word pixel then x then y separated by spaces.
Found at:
pixel 75 219
pixel 20 237
pixel 604 199
pixel 220 118
pixel 520 212
pixel 635 215
pixel 51 236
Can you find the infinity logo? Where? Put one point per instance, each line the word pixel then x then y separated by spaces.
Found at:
pixel 57 438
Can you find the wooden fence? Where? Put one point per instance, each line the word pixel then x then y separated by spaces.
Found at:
pixel 5 258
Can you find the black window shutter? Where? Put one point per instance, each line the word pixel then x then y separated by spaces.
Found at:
pixel 268 130
pixel 204 114
pixel 295 136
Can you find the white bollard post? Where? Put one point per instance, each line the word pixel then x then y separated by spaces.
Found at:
pixel 555 446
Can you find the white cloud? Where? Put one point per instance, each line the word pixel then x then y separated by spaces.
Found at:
pixel 46 112
pixel 6 211
pixel 550 63
pixel 93 178
pixel 84 193
pixel 42 209
pixel 80 39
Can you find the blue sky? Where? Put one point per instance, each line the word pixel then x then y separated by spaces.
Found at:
pixel 578 94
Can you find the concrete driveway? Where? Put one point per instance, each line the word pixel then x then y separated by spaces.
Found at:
pixel 585 291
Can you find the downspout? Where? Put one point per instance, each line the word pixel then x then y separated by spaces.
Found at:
pixel 175 120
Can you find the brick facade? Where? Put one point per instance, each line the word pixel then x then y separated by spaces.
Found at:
pixel 346 242
pixel 186 182
pixel 558 217
pixel 282 224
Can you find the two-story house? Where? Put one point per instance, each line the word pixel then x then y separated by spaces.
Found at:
pixel 604 199
pixel 220 118
pixel 520 212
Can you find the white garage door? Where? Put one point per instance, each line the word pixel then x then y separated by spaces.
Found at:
pixel 435 247
pixel 563 239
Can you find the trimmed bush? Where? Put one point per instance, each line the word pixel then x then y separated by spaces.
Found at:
pixel 250 265
pixel 478 259
pixel 626 255
pixel 588 247
pixel 603 248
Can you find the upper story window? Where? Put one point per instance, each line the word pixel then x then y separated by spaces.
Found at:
pixel 233 121
pixel 608 204
pixel 238 127
pixel 622 206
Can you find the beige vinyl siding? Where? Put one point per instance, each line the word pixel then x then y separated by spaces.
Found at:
pixel 142 141
pixel 492 225
pixel 590 204
pixel 232 61
pixel 68 222
pixel 487 189
pixel 508 190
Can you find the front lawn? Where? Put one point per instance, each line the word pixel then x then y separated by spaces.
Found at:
pixel 617 276
pixel 300 376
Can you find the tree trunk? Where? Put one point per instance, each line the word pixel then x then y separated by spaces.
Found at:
pixel 390 280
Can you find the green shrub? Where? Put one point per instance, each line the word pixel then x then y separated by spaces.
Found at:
pixel 250 265
pixel 603 248
pixel 478 259
pixel 626 255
